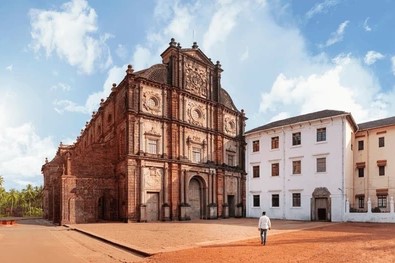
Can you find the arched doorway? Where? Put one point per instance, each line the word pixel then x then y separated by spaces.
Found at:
pixel 101 208
pixel 195 198
pixel 106 208
pixel 321 205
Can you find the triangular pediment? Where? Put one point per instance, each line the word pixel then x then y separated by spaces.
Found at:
pixel 198 55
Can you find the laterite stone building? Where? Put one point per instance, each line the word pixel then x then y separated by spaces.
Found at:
pixel 167 144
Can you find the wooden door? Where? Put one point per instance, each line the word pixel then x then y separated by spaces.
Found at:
pixel 152 206
pixel 194 198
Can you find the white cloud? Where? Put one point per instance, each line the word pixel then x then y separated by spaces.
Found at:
pixel 70 33
pixel 22 153
pixel 181 22
pixel 245 55
pixel 338 35
pixel 122 51
pixel 366 26
pixel 372 56
pixel 9 68
pixel 222 22
pixel 114 75
pixel 61 86
pixel 346 85
pixel 393 64
pixel 321 8
pixel 67 105
pixel 143 58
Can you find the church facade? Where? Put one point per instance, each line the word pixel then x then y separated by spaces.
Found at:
pixel 167 144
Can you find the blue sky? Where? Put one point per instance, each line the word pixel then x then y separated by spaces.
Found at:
pixel 281 58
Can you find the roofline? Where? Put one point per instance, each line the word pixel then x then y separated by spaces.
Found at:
pixel 347 114
pixel 375 127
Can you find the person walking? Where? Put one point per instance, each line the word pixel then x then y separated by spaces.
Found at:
pixel 264 224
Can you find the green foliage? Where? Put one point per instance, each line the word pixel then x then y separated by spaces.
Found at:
pixel 27 202
pixel 376 210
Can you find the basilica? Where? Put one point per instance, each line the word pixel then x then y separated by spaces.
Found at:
pixel 166 144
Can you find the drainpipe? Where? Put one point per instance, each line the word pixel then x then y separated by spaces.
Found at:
pixel 283 168
pixel 343 168
pixel 367 186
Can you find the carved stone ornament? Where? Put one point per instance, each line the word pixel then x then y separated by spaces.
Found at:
pixel 196 79
pixel 321 192
pixel 152 178
pixel 230 125
pixel 151 101
pixel 152 132
pixel 195 114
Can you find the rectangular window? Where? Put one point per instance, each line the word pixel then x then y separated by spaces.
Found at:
pixel 152 146
pixel 321 135
pixel 196 155
pixel 255 171
pixel 275 141
pixel 381 170
pixel 360 145
pixel 321 165
pixel 296 200
pixel 255 146
pixel 361 202
pixel 275 169
pixel 296 138
pixel 256 201
pixel 361 172
pixel 381 141
pixel 296 167
pixel 275 200
pixel 382 201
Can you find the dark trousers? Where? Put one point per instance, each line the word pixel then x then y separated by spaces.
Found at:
pixel 263 235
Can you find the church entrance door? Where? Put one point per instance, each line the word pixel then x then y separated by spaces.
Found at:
pixel 194 198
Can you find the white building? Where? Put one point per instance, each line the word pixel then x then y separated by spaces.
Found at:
pixel 299 168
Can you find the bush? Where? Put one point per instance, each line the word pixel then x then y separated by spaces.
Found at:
pixel 376 210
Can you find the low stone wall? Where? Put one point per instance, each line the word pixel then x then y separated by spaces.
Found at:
pixel 369 216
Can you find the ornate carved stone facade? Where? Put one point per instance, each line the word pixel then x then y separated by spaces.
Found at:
pixel 167 144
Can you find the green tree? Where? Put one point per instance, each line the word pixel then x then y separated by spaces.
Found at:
pixel 3 196
pixel 27 197
pixel 13 197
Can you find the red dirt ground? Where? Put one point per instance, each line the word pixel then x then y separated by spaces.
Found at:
pixel 345 242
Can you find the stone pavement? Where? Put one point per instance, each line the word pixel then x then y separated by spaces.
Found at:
pixel 151 238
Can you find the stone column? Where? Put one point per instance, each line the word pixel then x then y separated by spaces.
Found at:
pixel 347 206
pixel 369 206
pixel 165 189
pixel 143 207
pixel 141 139
pixel 210 188
pixel 214 186
pixel 183 204
pixel 239 207
pixel 182 186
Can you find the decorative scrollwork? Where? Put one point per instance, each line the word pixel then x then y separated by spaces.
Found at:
pixel 195 114
pixel 151 101
pixel 196 79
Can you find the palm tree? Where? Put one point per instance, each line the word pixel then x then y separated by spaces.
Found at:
pixel 13 197
pixel 28 195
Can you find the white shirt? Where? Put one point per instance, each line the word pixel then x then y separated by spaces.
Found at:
pixel 264 222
